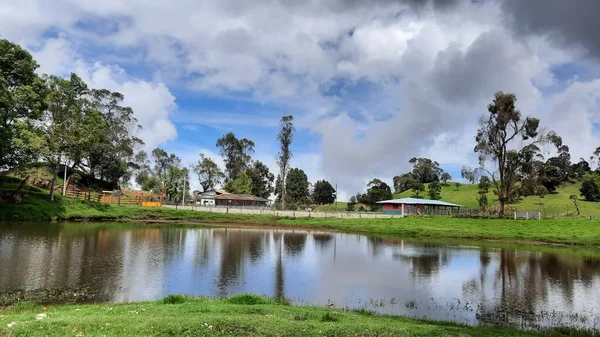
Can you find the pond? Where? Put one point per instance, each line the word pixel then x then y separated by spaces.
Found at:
pixel 476 285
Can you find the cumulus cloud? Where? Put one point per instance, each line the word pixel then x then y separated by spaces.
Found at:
pixel 377 82
pixel 152 102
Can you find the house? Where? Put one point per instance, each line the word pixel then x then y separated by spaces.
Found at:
pixel 240 200
pixel 406 206
pixel 207 198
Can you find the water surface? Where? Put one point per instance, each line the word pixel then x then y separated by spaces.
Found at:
pixel 461 283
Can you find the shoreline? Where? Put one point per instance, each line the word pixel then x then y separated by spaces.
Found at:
pixel 240 315
pixel 567 232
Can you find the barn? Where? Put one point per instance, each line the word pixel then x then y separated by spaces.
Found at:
pixel 406 206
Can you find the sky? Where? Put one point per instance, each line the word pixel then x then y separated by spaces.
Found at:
pixel 370 84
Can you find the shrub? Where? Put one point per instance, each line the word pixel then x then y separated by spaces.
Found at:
pixel 590 190
pixel 174 299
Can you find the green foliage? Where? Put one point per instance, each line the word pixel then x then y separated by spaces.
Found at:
pixel 248 299
pixel 323 193
pixel 425 170
pixel 22 102
pixel 590 189
pixel 285 137
pixel 296 185
pixel 550 177
pixel 434 190
pixel 236 154
pixel 418 188
pixel 445 177
pixel 482 200
pixel 174 299
pixel 377 191
pixel 496 132
pixel 240 185
pixel 209 173
pixel 457 185
pixel 261 180
pixel 404 182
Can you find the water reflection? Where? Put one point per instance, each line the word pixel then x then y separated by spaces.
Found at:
pixel 465 284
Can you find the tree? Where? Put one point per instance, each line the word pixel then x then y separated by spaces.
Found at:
pixel 589 189
pixel 581 168
pixel 22 103
pixel 434 190
pixel 261 180
pixel 457 185
pixel 378 191
pixel 483 188
pixel 445 178
pixel 62 122
pixel 550 177
pixel 425 170
pixel 240 185
pixel 495 134
pixel 563 163
pixel 296 185
pixel 418 188
pixel 323 193
pixel 236 154
pixel 209 173
pixel 115 143
pixel 285 137
pixel 404 182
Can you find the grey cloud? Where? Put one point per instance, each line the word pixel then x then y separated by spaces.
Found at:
pixel 566 22
pixel 490 64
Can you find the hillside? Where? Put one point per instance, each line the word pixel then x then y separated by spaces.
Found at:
pixel 553 205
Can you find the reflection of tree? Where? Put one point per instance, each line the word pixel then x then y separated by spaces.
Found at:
pixel 322 240
pixel 376 245
pixel 426 260
pixel 232 256
pixel 294 242
pixel 236 244
pixel 523 281
pixel 279 272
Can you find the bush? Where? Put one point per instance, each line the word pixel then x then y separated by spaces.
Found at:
pixel 247 299
pixel 174 299
pixel 590 190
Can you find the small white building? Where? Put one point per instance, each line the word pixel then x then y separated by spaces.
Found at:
pixel 207 198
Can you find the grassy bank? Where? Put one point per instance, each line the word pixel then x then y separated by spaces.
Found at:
pixel 242 315
pixel 578 232
pixel 37 207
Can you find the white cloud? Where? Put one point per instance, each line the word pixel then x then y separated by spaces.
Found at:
pixel 425 73
pixel 152 102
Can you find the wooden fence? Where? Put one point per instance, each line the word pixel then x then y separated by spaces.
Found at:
pixel 108 197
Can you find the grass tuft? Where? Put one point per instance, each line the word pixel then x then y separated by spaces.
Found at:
pixel 301 317
pixel 329 317
pixel 26 306
pixel 248 299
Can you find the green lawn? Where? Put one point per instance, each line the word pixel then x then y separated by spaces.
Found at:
pixel 242 315
pixel 37 207
pixel 555 204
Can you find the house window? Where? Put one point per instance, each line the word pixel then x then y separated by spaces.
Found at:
pixel 395 206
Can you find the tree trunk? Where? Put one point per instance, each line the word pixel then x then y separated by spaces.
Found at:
pixel 14 196
pixel 502 206
pixel 283 190
pixel 54 174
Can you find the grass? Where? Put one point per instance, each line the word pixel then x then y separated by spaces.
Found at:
pixel 555 204
pixel 37 207
pixel 211 317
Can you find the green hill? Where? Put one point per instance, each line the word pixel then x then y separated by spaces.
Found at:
pixel 555 204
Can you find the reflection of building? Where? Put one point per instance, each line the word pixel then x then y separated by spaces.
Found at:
pixel 240 200
pixel 207 198
pixel 413 205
